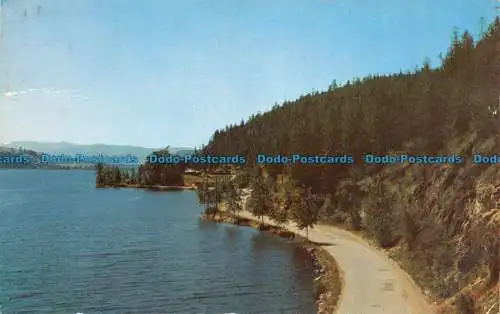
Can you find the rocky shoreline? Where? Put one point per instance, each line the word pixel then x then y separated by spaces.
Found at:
pixel 326 273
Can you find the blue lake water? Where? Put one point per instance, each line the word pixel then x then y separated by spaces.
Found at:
pixel 67 247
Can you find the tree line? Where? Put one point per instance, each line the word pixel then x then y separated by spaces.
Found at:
pixel 147 174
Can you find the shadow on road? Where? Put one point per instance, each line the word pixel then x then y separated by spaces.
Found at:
pixel 323 243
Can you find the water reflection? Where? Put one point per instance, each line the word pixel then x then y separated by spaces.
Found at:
pixel 301 258
pixel 262 241
pixel 232 236
pixel 207 224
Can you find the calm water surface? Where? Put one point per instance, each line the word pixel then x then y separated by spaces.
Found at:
pixel 66 247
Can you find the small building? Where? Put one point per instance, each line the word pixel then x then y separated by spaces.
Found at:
pixel 192 172
pixel 221 171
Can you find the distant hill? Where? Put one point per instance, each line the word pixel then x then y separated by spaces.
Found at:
pixel 32 161
pixel 93 149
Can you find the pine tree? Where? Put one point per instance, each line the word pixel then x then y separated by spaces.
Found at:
pixel 259 201
pixel 280 214
pixel 117 178
pixel 348 197
pixel 233 201
pixel 99 174
pixel 327 208
pixel 381 221
pixel 133 176
pixel 305 210
pixel 410 227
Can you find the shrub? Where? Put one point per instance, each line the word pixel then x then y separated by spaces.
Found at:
pixel 465 304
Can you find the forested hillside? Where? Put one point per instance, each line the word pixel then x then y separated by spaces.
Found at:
pixel 439 221
pixel 416 112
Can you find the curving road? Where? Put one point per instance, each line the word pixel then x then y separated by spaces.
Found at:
pixel 373 283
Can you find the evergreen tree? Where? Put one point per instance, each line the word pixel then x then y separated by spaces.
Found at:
pixel 327 208
pixel 259 201
pixel 381 220
pixel 410 226
pixel 99 174
pixel 348 197
pixel 280 214
pixel 305 210
pixel 233 201
pixel 133 176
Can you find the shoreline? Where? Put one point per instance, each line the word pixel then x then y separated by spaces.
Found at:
pixel 149 187
pixel 327 278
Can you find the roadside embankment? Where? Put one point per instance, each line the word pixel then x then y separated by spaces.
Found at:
pixel 326 273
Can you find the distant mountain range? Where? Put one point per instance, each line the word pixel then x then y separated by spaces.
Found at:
pixel 94 149
pixel 24 159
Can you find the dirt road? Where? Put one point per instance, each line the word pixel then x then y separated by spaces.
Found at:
pixel 373 283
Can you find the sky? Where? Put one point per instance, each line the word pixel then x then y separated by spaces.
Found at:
pixel 161 72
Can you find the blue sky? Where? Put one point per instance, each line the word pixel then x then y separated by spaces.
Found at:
pixel 159 72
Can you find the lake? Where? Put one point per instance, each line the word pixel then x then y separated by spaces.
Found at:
pixel 67 247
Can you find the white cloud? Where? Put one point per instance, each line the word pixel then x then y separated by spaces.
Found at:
pixel 51 91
